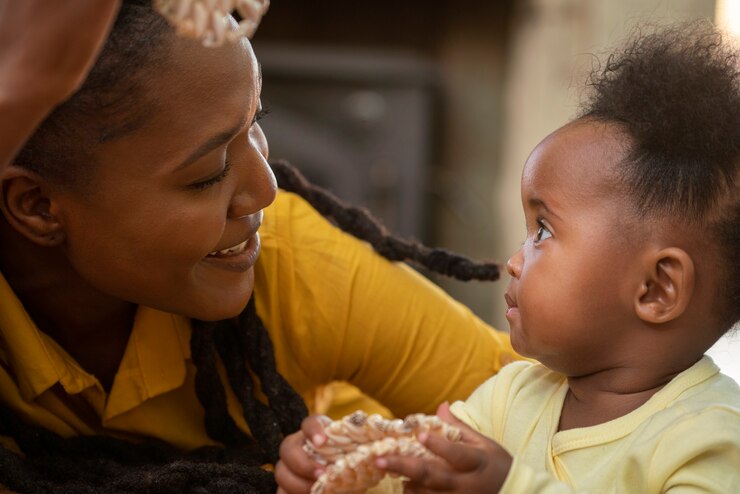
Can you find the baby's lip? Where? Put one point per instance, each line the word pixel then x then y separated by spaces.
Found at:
pixel 510 300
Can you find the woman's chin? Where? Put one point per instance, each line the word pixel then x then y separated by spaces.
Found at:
pixel 223 311
pixel 224 301
pixel 219 308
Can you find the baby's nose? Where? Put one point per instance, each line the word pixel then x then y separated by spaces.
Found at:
pixel 514 264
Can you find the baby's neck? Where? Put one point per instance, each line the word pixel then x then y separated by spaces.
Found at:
pixel 609 394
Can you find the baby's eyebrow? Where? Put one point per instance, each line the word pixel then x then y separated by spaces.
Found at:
pixel 536 202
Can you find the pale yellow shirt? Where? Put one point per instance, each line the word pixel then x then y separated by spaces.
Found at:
pixel 334 309
pixel 685 439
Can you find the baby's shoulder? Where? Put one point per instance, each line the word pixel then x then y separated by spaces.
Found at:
pixel 719 395
pixel 706 412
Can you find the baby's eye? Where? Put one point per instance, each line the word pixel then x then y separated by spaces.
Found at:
pixel 543 233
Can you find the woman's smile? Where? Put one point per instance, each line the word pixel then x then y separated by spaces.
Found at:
pixel 242 256
pixel 239 258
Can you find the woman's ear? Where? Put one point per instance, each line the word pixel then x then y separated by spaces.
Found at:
pixel 667 286
pixel 28 208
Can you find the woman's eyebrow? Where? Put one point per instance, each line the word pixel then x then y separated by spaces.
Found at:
pixel 212 143
pixel 222 137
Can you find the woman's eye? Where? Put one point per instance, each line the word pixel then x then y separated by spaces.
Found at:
pixel 543 233
pixel 213 180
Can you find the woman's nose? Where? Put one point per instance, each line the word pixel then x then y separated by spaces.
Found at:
pixel 514 264
pixel 257 187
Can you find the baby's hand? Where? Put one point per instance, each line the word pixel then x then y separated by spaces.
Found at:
pixel 475 465
pixel 296 472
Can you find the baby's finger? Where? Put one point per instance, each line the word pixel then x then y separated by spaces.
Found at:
pixel 294 458
pixel 313 428
pixel 423 473
pixel 443 412
pixel 460 456
pixel 469 435
pixel 289 482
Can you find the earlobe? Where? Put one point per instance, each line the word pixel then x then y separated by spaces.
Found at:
pixel 667 287
pixel 28 208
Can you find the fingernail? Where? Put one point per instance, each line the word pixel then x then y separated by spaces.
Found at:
pixel 317 473
pixel 381 463
pixel 318 440
pixel 423 437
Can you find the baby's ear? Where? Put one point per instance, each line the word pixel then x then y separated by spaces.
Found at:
pixel 667 285
pixel 27 206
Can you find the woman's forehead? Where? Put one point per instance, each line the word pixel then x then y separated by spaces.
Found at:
pixel 197 93
pixel 194 70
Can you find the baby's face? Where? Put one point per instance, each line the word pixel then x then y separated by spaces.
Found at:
pixel 569 296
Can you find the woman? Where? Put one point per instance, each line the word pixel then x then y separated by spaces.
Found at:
pixel 147 261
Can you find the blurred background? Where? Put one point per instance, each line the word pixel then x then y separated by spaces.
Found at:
pixel 425 111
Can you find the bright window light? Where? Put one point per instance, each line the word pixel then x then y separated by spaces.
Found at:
pixel 727 15
pixel 725 353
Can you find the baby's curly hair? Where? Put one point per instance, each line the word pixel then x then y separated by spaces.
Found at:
pixel 675 91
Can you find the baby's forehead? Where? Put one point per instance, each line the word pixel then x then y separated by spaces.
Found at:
pixel 583 153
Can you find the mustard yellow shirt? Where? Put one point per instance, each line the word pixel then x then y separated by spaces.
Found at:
pixel 335 311
pixel 684 439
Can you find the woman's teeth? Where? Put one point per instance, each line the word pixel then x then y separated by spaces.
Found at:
pixel 237 249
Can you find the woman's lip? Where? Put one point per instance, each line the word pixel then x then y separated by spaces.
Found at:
pixel 240 262
pixel 255 221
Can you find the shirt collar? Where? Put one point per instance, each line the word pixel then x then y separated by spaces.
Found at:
pixel 154 360
pixel 153 363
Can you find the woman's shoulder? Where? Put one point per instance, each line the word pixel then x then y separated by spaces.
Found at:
pixel 290 218
pixel 284 210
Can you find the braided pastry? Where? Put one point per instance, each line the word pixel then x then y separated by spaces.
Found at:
pixel 354 442
pixel 206 20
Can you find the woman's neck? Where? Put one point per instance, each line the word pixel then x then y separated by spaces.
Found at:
pixel 91 326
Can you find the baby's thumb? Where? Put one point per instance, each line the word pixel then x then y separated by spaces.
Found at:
pixel 444 412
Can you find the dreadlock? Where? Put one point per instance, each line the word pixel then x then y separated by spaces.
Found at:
pixel 360 223
pixel 109 465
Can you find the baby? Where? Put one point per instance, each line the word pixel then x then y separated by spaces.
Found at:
pixel 629 272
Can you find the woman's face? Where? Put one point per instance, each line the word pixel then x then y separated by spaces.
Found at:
pixel 170 219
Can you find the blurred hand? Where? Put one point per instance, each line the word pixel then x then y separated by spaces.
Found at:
pixel 296 472
pixel 475 465
pixel 47 47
